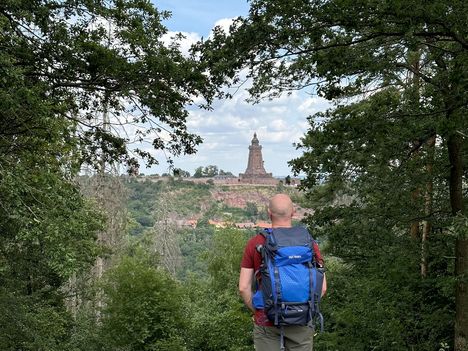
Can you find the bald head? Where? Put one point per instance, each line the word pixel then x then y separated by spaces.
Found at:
pixel 280 208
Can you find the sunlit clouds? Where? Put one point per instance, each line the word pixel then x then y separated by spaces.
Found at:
pixel 228 129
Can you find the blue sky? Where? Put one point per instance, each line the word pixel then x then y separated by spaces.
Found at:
pixel 199 16
pixel 228 130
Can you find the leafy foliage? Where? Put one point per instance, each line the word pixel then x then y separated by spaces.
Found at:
pixel 392 152
pixel 73 61
pixel 145 197
pixel 193 244
pixel 48 233
pixel 70 70
pixel 143 308
pixel 208 171
pixel 215 301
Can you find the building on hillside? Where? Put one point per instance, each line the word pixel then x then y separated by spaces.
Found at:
pixel 217 224
pixel 255 172
pixel 245 225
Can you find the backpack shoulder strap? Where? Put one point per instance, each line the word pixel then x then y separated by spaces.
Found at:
pixel 260 248
pixel 265 234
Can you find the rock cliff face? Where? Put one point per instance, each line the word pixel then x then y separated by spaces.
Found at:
pixel 240 199
pixel 259 196
pixel 185 203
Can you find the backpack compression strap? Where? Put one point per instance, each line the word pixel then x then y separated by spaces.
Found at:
pixel 261 250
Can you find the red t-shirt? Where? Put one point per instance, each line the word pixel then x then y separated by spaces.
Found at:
pixel 253 259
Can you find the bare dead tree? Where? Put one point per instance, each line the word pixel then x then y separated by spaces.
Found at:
pixel 164 233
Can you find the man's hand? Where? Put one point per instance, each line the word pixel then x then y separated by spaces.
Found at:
pixel 324 285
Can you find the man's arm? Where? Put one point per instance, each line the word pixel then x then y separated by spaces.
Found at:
pixel 245 286
pixel 324 285
pixel 320 262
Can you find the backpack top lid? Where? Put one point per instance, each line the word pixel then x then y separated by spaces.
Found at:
pixel 283 237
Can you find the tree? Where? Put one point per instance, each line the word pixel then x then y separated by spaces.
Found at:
pixel 49 234
pixel 74 73
pixel 198 172
pixel 144 308
pixel 367 206
pixel 109 194
pixel 218 318
pixel 210 171
pixel 181 173
pixel 93 68
pixel 163 235
pixel 206 172
pixel 49 230
pixel 225 173
pixel 252 210
pixel 404 66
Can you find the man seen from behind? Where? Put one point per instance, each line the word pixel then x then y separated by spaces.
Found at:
pixel 266 335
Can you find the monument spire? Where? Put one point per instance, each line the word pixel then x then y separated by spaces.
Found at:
pixel 255 172
pixel 255 163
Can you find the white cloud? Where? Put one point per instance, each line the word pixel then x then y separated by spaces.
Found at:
pixel 228 129
pixel 278 125
pixel 185 42
pixel 313 104
pixel 224 23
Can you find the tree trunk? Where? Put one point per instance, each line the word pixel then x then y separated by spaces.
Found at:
pixel 414 228
pixel 164 234
pixel 426 225
pixel 455 143
pixel 461 296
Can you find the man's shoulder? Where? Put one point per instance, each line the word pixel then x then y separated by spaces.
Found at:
pixel 257 239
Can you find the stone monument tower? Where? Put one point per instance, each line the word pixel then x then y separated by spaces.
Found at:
pixel 255 172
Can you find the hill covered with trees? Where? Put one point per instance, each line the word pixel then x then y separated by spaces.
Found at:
pixel 99 262
pixel 191 202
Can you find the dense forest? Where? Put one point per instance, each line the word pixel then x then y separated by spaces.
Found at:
pixel 91 260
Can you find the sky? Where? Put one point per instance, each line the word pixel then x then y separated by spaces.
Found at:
pixel 228 129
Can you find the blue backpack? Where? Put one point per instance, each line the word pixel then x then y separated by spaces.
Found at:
pixel 291 280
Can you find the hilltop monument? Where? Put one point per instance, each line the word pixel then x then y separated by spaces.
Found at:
pixel 255 172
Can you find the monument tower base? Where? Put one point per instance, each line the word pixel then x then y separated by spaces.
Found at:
pixel 255 172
